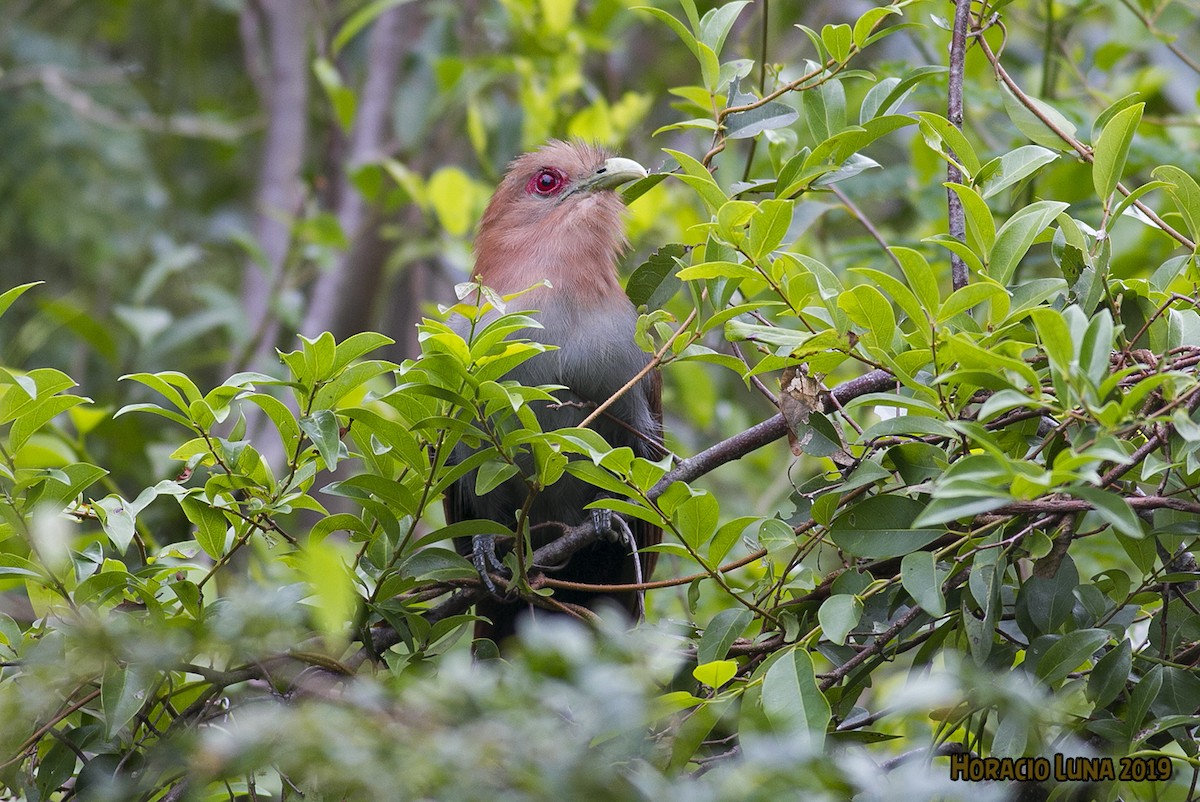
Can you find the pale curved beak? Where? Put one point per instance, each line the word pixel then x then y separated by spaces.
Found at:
pixel 612 174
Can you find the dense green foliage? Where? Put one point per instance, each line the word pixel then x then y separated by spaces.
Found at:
pixel 228 577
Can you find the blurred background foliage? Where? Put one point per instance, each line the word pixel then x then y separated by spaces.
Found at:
pixel 196 182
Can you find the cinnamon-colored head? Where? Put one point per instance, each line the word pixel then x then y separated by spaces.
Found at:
pixel 556 216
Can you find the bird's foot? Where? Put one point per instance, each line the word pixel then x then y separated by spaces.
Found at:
pixel 483 557
pixel 612 527
pixel 602 523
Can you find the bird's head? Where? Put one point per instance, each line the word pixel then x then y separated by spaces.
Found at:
pixel 557 216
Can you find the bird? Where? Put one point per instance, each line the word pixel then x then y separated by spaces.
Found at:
pixel 556 218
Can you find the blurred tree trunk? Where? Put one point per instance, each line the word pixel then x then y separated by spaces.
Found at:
pixel 343 297
pixel 275 36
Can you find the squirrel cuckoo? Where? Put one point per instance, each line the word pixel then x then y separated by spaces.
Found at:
pixel 556 216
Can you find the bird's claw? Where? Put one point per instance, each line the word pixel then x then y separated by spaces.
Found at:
pixel 613 528
pixel 483 557
pixel 603 526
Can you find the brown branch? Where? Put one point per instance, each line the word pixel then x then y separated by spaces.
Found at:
pixel 1057 504
pixel 954 111
pixel 1153 443
pixel 761 434
pixel 875 647
pixel 884 638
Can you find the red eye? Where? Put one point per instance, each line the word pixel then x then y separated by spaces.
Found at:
pixel 546 181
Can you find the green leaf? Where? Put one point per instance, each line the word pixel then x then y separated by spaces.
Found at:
pixel 322 428
pixel 1108 678
pixel 886 96
pixel 965 298
pixel 838 615
pixel 825 110
pixel 866 24
pixel 361 19
pixel 7 298
pixel 696 518
pixel 1001 173
pixel 957 246
pixel 791 699
pixel 711 270
pixel 981 227
pixel 281 416
pixel 715 25
pixel 165 384
pixel 769 226
pixel 1048 601
pixel 675 25
pixel 39 413
pixel 817 437
pixel 752 122
pixel 1116 106
pixel 334 599
pixel 1144 693
pixel 123 692
pixel 1032 126
pixel 868 307
pixel 595 475
pixel 211 526
pixel 941 135
pixel 1015 237
pixel 1112 148
pixel 1097 346
pixel 1068 653
pixel 341 97
pixel 1112 508
pixel 1055 336
pixel 55 767
pixel 699 179
pixel 357 345
pixel 919 575
pixel 724 628
pixel 726 536
pixel 492 474
pixel 1030 295
pixel 655 281
pixel 1185 192
pixel 920 277
pixel 838 40
pixel 78 477
pixel 154 409
pixel 117 520
pixel 349 380
pixel 899 292
pixel 189 596
pixel 878 528
pixel 716 673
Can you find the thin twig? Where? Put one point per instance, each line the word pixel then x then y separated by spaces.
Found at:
pixel 1083 150
pixel 654 362
pixel 866 223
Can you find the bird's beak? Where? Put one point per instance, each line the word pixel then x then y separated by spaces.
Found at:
pixel 612 174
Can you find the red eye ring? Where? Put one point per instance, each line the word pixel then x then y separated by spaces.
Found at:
pixel 546 182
